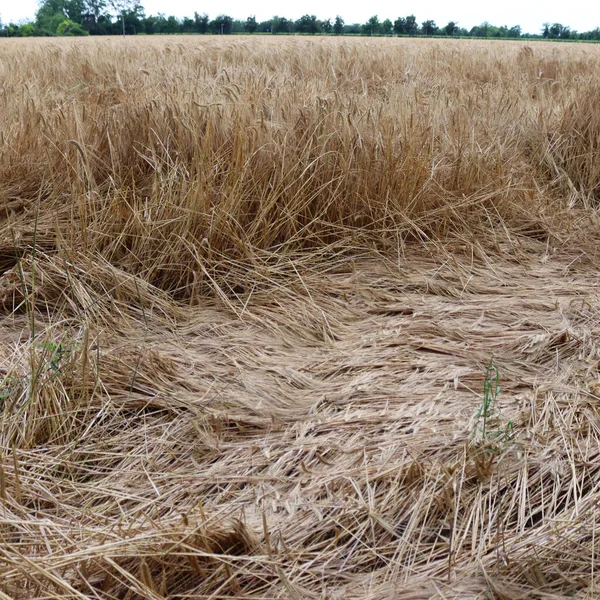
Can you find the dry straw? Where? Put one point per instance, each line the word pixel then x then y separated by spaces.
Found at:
pixel 249 291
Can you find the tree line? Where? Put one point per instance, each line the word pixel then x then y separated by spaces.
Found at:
pixel 128 17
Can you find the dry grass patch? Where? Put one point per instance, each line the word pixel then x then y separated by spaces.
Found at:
pixel 249 292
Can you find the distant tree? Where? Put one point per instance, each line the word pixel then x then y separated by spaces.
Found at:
pixel 386 27
pixel 133 20
pixel 411 25
pixel 222 25
pixel 307 24
pixel 150 24
pixel 338 25
pixel 11 30
pixel 286 25
pixel 566 32
pixel 172 25
pixel 187 25
pixel 353 28
pixel 372 26
pixel 74 9
pixel 7 29
pixel 238 26
pixel 70 28
pixel 482 30
pixel 280 25
pixel 429 27
pixel 201 22
pixel 556 31
pixel 400 26
pixel 451 28
pixel 94 16
pixel 50 14
pixel 47 24
pixel 546 30
pixel 250 26
pixel 161 23
pixel 273 25
pixel 121 7
pixel 498 32
pixel 28 29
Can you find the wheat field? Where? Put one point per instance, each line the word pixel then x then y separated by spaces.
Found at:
pixel 251 292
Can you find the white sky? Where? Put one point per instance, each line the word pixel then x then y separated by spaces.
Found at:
pixel 582 15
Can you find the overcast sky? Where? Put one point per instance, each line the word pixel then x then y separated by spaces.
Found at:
pixel 582 15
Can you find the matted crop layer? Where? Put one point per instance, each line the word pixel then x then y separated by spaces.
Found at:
pixel 249 291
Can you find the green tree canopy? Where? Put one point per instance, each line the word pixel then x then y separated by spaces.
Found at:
pixel 386 27
pixel 250 25
pixel 372 26
pixel 68 27
pixel 307 24
pixel 400 26
pixel 429 27
pixel 338 25
pixel 411 25
pixel 451 28
pixel 201 22
pixel 222 25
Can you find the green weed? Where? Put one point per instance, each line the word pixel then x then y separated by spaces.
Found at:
pixel 489 430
